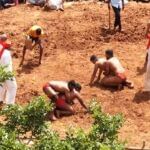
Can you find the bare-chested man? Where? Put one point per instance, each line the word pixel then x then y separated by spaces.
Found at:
pixel 99 66
pixel 62 94
pixel 114 72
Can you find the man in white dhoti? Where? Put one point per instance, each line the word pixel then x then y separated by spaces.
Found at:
pixel 54 5
pixel 147 78
pixel 9 87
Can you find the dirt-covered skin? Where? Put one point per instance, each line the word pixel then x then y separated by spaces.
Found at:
pixel 71 38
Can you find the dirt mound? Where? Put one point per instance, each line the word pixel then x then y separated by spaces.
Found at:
pixel 71 38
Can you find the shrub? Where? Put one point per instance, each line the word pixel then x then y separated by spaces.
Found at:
pixel 28 118
pixel 20 120
pixel 5 75
pixel 103 135
pixel 8 141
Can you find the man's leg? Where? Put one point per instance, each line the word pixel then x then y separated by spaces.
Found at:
pixel 41 51
pixel 129 84
pixel 116 21
pixel 50 92
pixel 65 110
pixel 111 81
pixel 11 89
pixel 24 52
pixel 119 18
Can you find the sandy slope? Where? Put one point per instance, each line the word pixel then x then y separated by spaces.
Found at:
pixel 72 37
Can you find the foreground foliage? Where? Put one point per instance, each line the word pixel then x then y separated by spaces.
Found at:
pixel 31 119
pixel 5 75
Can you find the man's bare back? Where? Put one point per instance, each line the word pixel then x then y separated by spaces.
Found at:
pixel 115 66
pixel 59 86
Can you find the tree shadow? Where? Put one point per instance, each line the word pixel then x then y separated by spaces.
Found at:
pixel 141 71
pixel 27 68
pixel 141 96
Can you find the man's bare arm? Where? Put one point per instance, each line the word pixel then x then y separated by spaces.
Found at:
pixel 106 69
pixel 99 75
pixel 78 96
pixel 94 73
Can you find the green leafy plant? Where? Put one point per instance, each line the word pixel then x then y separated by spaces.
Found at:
pixel 30 118
pixel 8 141
pixel 5 75
pixel 103 135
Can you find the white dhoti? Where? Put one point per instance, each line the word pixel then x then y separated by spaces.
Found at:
pixel 8 91
pixel 9 87
pixel 147 77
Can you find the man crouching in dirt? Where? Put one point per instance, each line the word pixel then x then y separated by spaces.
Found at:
pixel 99 65
pixel 114 73
pixel 33 38
pixel 62 95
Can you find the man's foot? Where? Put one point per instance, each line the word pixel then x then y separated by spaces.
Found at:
pixel 130 85
pixel 120 87
pixel 61 9
pixel 119 30
pixel 52 117
pixel 57 113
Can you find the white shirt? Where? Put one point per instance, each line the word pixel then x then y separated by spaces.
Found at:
pixel 57 3
pixel 116 3
pixel 6 60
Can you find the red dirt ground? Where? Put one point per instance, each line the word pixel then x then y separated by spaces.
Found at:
pixel 72 37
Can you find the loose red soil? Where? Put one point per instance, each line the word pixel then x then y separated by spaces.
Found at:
pixel 72 37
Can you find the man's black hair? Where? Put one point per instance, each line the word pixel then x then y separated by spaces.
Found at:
pixel 71 84
pixel 93 58
pixel 38 31
pixel 109 52
pixel 78 87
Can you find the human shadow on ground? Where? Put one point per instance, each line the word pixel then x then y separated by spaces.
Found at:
pixel 28 67
pixel 141 71
pixel 141 96
pixel 106 34
pixel 111 89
